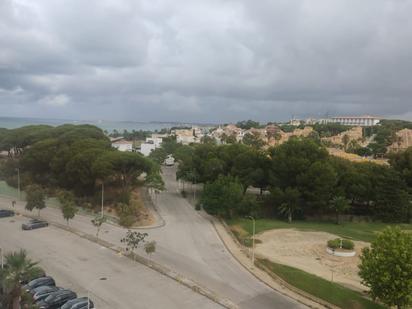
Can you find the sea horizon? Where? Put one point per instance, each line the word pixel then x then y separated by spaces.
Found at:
pixel 108 125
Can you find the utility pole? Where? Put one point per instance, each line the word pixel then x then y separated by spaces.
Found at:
pixel 18 182
pixel 102 198
pixel 253 240
pixel 1 257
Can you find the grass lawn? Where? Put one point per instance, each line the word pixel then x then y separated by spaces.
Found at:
pixel 357 231
pixel 6 190
pixel 321 288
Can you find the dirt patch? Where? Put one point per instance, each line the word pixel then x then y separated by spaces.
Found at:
pixel 141 215
pixel 144 216
pixel 307 251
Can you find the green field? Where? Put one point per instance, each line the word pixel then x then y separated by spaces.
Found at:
pixel 321 288
pixel 8 191
pixel 357 231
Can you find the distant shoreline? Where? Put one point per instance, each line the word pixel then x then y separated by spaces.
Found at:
pixel 16 122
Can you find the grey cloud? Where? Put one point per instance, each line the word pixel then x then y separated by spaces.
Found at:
pixel 205 60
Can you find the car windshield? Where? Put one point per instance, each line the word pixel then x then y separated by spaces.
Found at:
pixel 32 283
pixel 50 298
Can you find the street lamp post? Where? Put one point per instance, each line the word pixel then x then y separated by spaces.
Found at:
pixel 1 257
pixel 102 198
pixel 18 182
pixel 253 240
pixel 88 290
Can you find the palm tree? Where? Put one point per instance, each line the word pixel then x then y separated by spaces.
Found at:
pixel 19 269
pixel 290 202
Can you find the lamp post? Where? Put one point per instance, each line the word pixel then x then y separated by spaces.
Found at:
pixel 253 240
pixel 102 198
pixel 1 257
pixel 18 182
pixel 88 290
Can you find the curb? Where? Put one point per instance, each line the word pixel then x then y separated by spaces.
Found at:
pixel 273 276
pixel 197 288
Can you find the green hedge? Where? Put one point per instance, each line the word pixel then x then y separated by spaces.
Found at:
pixel 336 243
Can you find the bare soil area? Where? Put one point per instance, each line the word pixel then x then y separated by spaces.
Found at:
pixel 307 251
pixel 144 215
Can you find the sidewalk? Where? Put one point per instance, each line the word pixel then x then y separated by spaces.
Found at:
pixel 238 252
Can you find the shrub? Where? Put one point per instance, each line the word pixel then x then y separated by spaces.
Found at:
pixel 126 220
pixel 336 243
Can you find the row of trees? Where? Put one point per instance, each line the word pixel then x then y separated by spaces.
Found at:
pixel 303 180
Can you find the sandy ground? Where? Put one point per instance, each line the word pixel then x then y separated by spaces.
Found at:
pixel 144 216
pixel 307 251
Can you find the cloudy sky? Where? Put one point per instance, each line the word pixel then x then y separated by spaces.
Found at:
pixel 205 60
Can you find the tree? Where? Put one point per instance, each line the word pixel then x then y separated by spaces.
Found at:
pixel 69 211
pixel 19 269
pixel 339 204
pixel 158 155
pixel 98 222
pixel 133 240
pixel 223 196
pixel 253 139
pixel 247 124
pixel 386 268
pixel 68 206
pixel 150 248
pixel 402 162
pixel 345 141
pixel 36 198
pixel 288 200
pixel 124 166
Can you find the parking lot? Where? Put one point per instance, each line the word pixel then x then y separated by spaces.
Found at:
pixel 77 264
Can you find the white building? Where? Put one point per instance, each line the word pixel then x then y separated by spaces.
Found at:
pixel 147 148
pixel 122 145
pixel 157 141
pixel 151 144
pixel 362 121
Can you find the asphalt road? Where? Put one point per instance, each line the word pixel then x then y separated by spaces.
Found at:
pixel 189 244
pixel 76 263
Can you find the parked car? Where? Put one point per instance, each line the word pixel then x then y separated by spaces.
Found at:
pixel 42 292
pixel 83 305
pixel 39 274
pixel 34 224
pixel 6 213
pixel 42 281
pixel 77 303
pixel 56 299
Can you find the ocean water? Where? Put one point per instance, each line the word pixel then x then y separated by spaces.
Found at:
pixel 11 123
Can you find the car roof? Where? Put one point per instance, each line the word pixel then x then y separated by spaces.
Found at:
pixel 36 220
pixel 44 288
pixel 34 281
pixel 58 293
pixel 75 301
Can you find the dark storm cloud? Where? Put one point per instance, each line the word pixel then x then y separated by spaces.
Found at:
pixel 205 60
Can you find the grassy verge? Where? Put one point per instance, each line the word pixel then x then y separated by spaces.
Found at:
pixel 321 288
pixel 8 191
pixel 357 231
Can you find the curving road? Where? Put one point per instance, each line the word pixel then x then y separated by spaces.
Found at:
pixel 189 244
